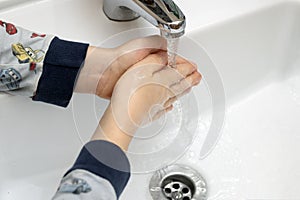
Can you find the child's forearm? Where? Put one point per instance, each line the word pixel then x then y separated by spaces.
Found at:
pixel 109 130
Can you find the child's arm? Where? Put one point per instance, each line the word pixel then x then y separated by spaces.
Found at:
pixel 103 156
pixel 46 68
pixel 39 66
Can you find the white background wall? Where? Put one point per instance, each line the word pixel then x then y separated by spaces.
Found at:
pixel 8 3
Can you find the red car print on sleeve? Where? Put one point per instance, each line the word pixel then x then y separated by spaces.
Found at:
pixel 34 35
pixel 10 28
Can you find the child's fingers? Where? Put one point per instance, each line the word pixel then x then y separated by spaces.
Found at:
pixel 169 108
pixel 185 69
pixel 172 100
pixel 194 78
pixel 160 58
pixel 151 64
pixel 180 87
pixel 170 76
pixel 151 43
pixel 169 104
pixel 136 50
pixel 184 93
pixel 167 76
pixel 186 83
pixel 180 60
pixel 162 112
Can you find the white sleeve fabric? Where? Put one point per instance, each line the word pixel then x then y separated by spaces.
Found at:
pixel 83 185
pixel 22 53
pixel 100 172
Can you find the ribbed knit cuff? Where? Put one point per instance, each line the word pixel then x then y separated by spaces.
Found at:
pixel 105 160
pixel 61 66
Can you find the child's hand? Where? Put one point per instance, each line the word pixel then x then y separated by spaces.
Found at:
pixel 145 92
pixel 103 67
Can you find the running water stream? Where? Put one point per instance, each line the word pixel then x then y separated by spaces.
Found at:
pixel 172 51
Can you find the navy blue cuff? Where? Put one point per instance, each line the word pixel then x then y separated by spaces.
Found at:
pixel 61 66
pixel 105 160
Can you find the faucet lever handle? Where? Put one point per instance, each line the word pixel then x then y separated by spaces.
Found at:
pixel 164 14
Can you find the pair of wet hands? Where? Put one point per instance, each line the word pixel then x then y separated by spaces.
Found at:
pixel 138 81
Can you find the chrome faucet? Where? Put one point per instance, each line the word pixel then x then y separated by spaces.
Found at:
pixel 163 14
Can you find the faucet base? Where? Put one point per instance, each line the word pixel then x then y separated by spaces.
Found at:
pixel 119 13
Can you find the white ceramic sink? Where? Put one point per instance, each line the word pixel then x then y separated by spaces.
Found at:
pixel 257 56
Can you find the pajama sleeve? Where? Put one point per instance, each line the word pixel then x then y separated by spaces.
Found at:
pixel 45 68
pixel 101 172
pixel 39 66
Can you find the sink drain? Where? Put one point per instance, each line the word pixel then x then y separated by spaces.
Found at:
pixel 178 182
pixel 177 190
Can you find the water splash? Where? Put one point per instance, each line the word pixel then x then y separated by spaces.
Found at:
pixel 294 88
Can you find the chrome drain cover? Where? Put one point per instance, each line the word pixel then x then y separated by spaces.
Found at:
pixel 178 182
pixel 177 190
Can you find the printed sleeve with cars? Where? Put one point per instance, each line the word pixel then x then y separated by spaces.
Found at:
pixel 44 68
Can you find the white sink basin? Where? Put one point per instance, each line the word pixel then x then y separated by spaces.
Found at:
pixel 257 56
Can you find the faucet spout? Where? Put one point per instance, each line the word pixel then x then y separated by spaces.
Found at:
pixel 164 14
